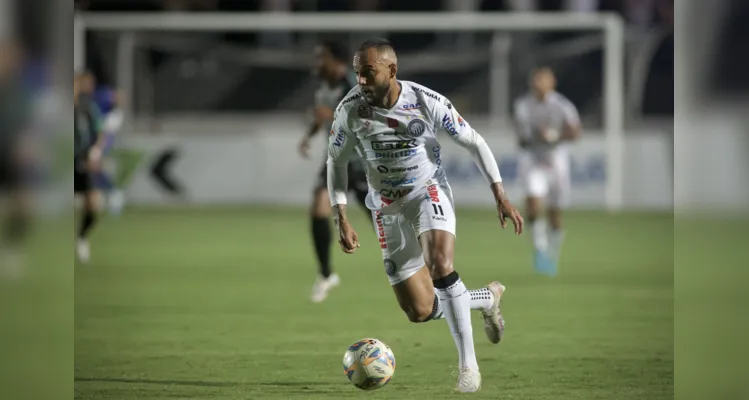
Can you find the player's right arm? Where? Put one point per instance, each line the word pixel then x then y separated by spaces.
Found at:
pixel 341 146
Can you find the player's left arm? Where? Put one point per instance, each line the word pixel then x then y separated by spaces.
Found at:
pixel 341 146
pixel 456 128
pixel 572 126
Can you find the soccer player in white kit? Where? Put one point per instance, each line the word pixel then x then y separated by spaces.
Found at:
pixel 545 122
pixel 393 125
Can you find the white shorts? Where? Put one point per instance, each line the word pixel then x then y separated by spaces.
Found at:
pixel 548 181
pixel 398 229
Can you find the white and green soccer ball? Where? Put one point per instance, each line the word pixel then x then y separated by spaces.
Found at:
pixel 369 364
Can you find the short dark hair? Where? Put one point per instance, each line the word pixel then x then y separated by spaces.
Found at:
pixel 336 49
pixel 376 43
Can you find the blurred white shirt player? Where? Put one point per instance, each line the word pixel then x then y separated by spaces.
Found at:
pixel 546 122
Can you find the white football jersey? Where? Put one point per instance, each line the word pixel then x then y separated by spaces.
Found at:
pixel 553 112
pixel 399 146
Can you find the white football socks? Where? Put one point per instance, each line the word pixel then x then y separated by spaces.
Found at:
pixel 556 237
pixel 456 304
pixel 481 299
pixel 540 236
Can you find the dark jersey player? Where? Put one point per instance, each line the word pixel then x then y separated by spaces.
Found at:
pixel 15 161
pixel 87 153
pixel 336 79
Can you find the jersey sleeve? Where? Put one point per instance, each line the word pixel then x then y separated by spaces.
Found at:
pixel 571 116
pixel 451 123
pixel 341 146
pixel 521 118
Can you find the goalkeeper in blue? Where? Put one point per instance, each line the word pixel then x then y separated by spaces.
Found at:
pixel 394 125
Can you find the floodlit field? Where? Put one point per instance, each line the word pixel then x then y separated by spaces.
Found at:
pixel 212 304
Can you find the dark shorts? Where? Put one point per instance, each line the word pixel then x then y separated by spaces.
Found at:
pixel 9 176
pixel 357 179
pixel 82 181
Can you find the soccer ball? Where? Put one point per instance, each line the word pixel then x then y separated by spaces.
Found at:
pixel 369 364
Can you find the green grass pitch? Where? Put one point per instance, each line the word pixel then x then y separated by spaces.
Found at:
pixel 213 304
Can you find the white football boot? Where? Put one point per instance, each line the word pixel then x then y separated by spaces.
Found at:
pixel 83 251
pixel 469 381
pixel 494 324
pixel 322 287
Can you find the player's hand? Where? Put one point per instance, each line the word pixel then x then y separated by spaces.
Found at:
pixel 304 147
pixel 507 210
pixel 550 135
pixel 347 237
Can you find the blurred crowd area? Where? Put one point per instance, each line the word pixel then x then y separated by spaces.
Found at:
pixel 226 67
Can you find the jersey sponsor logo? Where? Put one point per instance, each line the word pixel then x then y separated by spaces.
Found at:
pixel 394 193
pixel 393 144
pixel 433 194
pixel 398 182
pixel 416 128
pixel 447 123
pixel 436 150
pixel 426 93
pixel 411 106
pixel 380 230
pixel 339 138
pixel 384 170
pixel 365 111
pixel 396 154
pixel 347 100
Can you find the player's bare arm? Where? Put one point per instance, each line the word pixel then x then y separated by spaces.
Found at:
pixel 572 131
pixel 322 114
pixel 505 209
pixel 347 236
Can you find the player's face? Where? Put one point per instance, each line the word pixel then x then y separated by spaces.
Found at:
pixel 544 81
pixel 87 84
pixel 373 76
pixel 323 62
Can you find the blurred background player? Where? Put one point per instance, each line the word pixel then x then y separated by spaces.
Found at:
pixel 336 80
pixel 545 122
pixel 15 160
pixel 108 101
pixel 88 154
pixel 105 106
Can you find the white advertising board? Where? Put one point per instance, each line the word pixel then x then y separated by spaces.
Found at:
pixel 265 168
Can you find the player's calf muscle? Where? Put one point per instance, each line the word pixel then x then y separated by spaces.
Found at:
pixel 416 296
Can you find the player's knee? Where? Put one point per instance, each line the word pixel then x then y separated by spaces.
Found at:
pixel 440 264
pixel 419 313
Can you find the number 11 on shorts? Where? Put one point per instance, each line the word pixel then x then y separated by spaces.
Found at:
pixel 437 209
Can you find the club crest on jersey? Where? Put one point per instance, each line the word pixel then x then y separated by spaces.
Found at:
pixel 416 128
pixel 365 111
pixel 411 106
